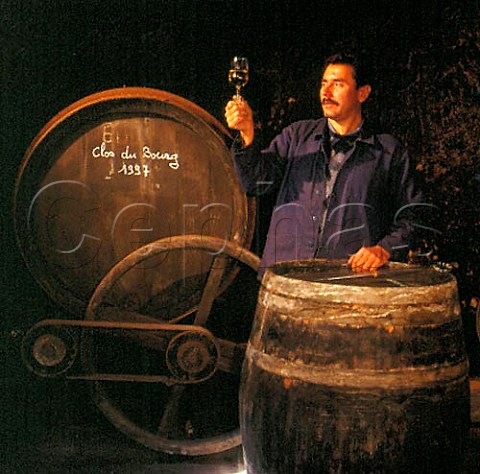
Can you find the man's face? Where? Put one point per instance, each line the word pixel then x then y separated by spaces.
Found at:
pixel 341 100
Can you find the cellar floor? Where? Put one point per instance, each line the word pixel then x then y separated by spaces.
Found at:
pixel 67 436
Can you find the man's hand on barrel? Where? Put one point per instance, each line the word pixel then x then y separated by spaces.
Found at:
pixel 239 117
pixel 369 259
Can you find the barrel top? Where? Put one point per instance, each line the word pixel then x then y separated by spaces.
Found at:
pixel 334 282
pixel 336 272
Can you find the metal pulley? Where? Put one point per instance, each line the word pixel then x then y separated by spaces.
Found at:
pixel 49 351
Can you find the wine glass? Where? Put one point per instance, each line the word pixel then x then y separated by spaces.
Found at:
pixel 238 74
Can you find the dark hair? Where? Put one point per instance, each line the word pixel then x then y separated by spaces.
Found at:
pixel 359 68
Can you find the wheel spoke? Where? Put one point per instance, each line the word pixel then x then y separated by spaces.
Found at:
pixel 170 413
pixel 231 356
pixel 210 292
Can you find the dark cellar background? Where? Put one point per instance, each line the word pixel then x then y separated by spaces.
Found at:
pixel 426 64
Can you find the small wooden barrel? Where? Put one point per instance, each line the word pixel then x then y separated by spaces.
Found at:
pixel 347 373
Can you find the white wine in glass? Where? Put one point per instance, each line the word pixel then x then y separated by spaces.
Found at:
pixel 238 74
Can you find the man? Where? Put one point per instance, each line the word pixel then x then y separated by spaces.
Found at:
pixel 342 191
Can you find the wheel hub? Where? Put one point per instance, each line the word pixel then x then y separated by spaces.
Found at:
pixel 192 356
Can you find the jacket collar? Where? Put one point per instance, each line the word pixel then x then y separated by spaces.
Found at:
pixel 367 134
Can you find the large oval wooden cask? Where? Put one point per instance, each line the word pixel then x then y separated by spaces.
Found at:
pixel 115 171
pixel 354 374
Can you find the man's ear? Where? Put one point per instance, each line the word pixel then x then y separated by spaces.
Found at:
pixel 364 92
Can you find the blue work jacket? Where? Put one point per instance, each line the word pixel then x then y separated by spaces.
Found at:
pixel 373 200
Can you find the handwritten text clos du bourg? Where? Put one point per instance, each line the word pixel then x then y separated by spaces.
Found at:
pixel 128 157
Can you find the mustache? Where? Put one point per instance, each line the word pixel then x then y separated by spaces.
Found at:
pixel 329 101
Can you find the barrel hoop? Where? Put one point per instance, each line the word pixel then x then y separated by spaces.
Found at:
pixel 397 379
pixel 339 314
